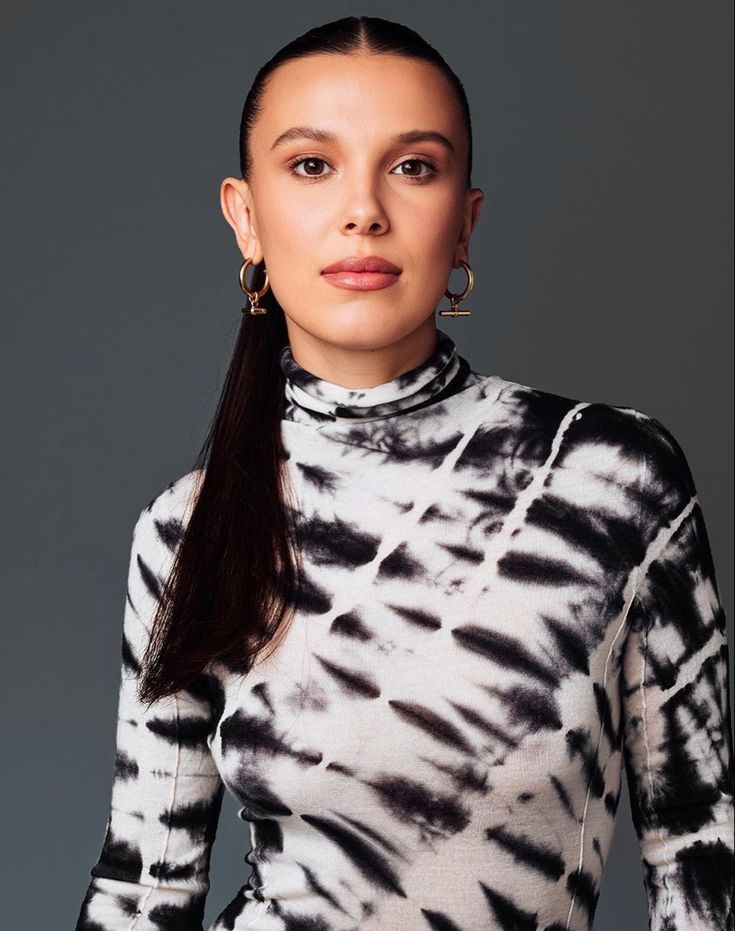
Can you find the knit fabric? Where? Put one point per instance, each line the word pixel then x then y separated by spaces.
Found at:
pixel 508 601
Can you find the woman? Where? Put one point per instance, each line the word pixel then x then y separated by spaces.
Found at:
pixel 415 618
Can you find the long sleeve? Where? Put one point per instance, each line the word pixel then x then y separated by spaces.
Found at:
pixel 678 745
pixel 153 870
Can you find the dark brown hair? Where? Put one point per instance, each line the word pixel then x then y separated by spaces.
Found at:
pixel 235 578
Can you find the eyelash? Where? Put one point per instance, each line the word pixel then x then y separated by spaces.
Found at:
pixel 315 158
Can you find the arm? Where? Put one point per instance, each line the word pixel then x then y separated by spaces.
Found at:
pixel 678 745
pixel 152 872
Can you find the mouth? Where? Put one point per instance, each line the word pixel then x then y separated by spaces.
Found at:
pixel 362 273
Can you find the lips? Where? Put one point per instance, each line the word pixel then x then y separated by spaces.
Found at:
pixel 365 263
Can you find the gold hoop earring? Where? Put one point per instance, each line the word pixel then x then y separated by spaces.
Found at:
pixel 254 296
pixel 456 298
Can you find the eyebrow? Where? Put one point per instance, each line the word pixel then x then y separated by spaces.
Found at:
pixel 324 135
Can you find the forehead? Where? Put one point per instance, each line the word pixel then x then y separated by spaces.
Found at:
pixel 359 97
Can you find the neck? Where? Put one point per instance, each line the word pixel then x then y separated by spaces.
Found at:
pixel 310 399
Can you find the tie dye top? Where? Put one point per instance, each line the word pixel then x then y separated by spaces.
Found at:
pixel 508 600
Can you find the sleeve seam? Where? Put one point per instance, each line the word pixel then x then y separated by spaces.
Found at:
pixel 638 576
pixel 651 806
pixel 174 788
pixel 169 821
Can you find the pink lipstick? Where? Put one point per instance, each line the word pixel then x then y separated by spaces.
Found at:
pixel 362 273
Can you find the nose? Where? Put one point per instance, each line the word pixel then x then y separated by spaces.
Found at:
pixel 363 211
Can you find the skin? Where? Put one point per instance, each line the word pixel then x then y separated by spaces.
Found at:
pixel 364 195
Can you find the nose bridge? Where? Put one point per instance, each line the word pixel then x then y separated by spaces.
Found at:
pixel 363 195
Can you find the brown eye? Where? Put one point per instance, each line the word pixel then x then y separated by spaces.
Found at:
pixel 416 163
pixel 308 161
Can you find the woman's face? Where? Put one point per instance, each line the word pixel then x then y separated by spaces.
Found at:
pixel 331 178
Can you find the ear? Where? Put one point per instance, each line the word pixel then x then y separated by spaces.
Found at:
pixel 473 202
pixel 237 208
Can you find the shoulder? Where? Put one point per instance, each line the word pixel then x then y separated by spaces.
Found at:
pixel 176 497
pixel 161 522
pixel 587 433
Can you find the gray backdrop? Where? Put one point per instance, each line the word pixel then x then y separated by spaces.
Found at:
pixel 603 264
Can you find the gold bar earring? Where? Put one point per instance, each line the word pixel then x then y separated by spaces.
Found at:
pixel 456 298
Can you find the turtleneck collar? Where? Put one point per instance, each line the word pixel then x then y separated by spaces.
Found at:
pixel 310 399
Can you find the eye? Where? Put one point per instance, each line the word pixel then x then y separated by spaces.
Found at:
pixel 419 161
pixel 308 159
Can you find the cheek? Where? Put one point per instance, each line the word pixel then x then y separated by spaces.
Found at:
pixel 430 234
pixel 436 225
pixel 290 239
pixel 288 223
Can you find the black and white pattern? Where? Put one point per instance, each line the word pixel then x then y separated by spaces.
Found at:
pixel 508 601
